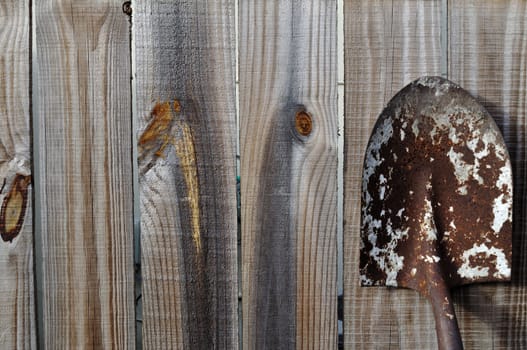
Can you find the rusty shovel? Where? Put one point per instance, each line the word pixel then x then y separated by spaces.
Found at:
pixel 436 198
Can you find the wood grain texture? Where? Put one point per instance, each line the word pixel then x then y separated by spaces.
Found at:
pixel 17 316
pixel 83 124
pixel 185 109
pixel 387 45
pixel 488 57
pixel 288 173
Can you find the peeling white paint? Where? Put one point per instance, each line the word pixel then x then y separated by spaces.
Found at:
pixel 431 259
pixel 501 208
pixel 367 199
pixel 386 258
pixel 503 269
pixel 440 86
pixel 382 189
pixel 461 168
pixel 480 146
pixel 452 135
pixel 365 281
pixel 428 226
pixel 415 129
pixel 472 145
pixel 372 238
pixel 382 135
pixel 505 178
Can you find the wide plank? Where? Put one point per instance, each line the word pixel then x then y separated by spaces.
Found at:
pixel 17 301
pixel 185 109
pixel 288 142
pixel 488 57
pixel 83 178
pixel 387 45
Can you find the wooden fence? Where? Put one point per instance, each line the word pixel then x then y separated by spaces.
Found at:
pixel 118 130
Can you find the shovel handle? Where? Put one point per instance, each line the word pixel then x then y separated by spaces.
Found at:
pixel 448 336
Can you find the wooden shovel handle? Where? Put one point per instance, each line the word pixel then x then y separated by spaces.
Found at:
pixel 448 336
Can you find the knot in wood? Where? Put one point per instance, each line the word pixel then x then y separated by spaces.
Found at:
pixel 127 8
pixel 303 123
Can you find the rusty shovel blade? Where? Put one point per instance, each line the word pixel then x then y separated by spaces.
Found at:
pixel 436 198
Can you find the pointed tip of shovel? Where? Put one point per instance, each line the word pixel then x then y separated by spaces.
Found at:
pixel 436 190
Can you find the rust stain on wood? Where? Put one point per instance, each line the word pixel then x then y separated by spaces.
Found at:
pixel 13 209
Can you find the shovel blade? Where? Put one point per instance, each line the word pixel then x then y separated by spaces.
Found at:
pixel 436 190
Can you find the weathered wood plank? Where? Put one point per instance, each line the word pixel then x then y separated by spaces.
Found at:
pixel 185 108
pixel 17 316
pixel 488 57
pixel 387 45
pixel 288 112
pixel 82 112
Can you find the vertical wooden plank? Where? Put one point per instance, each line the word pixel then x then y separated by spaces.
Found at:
pixel 387 45
pixel 185 107
pixel 288 112
pixel 17 316
pixel 82 102
pixel 488 57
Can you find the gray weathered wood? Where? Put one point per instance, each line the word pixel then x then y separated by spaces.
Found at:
pixel 488 57
pixel 387 45
pixel 17 316
pixel 185 110
pixel 288 173
pixel 81 105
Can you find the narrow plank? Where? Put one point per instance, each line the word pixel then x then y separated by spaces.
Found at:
pixel 387 45
pixel 288 116
pixel 17 316
pixel 488 56
pixel 185 107
pixel 82 111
